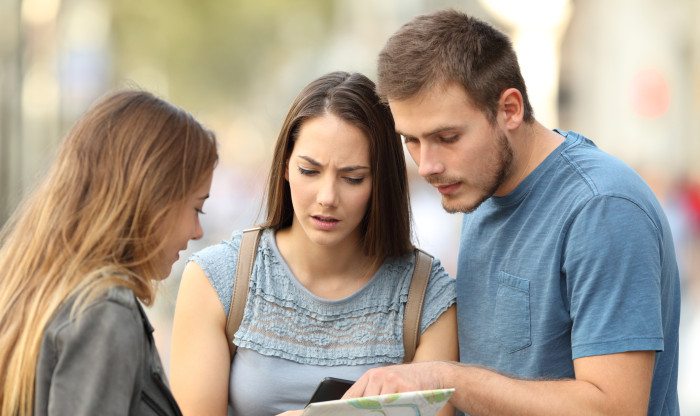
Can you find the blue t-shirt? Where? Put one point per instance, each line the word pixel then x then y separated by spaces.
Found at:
pixel 290 339
pixel 577 261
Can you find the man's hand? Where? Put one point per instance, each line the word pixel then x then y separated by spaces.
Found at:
pixel 397 379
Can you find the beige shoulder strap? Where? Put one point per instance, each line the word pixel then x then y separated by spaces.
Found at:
pixel 414 304
pixel 244 268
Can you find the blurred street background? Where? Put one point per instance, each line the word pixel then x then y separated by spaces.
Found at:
pixel 625 73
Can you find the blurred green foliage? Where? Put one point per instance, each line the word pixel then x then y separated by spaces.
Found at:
pixel 214 50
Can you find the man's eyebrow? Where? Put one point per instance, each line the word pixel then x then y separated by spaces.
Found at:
pixel 343 169
pixel 434 131
pixel 440 129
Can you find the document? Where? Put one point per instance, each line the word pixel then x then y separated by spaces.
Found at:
pixel 415 403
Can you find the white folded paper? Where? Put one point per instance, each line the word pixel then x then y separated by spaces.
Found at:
pixel 415 403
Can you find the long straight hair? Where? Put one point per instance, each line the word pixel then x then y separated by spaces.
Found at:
pixel 96 221
pixel 386 226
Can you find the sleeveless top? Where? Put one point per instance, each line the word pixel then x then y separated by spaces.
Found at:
pixel 290 339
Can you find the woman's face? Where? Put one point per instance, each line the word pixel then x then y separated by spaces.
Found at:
pixel 182 225
pixel 330 180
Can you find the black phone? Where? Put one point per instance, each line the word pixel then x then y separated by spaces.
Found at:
pixel 330 388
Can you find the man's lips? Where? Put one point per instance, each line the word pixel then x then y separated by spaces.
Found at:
pixel 448 189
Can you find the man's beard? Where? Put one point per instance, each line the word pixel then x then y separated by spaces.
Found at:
pixel 504 160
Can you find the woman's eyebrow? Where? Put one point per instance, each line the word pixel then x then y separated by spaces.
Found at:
pixel 343 169
pixel 310 160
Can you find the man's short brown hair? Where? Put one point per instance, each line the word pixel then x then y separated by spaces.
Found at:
pixel 449 46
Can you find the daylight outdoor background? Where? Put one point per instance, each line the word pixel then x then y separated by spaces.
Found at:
pixel 625 73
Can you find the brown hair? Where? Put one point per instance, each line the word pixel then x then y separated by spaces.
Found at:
pixel 386 226
pixel 92 223
pixel 449 46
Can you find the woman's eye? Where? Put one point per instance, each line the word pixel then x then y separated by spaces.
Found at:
pixel 306 171
pixel 199 211
pixel 355 181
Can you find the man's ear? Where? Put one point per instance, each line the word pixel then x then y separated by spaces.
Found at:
pixel 511 109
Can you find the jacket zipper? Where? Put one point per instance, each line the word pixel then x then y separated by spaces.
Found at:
pixel 167 392
pixel 152 404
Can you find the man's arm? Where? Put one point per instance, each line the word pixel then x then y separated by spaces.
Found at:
pixel 614 384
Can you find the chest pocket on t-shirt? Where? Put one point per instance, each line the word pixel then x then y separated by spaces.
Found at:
pixel 513 312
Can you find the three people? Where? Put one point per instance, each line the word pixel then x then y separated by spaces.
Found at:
pixel 121 200
pixel 568 288
pixel 329 285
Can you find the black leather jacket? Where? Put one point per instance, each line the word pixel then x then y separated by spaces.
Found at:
pixel 103 363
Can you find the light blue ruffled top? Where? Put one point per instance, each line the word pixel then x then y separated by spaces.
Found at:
pixel 283 319
pixel 290 339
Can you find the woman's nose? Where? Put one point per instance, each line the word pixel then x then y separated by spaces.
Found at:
pixel 327 194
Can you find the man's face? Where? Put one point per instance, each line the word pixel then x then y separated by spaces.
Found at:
pixel 455 147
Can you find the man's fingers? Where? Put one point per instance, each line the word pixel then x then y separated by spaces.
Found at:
pixel 372 383
pixel 375 382
pixel 357 389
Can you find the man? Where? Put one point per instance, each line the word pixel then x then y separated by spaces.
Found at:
pixel 568 287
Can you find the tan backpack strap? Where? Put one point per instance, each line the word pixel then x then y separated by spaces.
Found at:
pixel 244 268
pixel 414 304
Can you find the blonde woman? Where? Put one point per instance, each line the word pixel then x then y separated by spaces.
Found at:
pixel 107 222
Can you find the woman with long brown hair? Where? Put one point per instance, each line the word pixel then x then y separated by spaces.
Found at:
pixel 107 223
pixel 331 278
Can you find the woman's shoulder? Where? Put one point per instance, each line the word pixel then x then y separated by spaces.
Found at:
pixel 440 292
pixel 403 267
pixel 103 338
pixel 226 251
pixel 115 308
pixel 219 262
pixel 214 251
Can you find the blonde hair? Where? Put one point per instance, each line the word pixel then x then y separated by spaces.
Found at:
pixel 92 223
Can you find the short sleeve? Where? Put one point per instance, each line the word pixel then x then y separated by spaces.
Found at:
pixel 439 295
pixel 219 265
pixel 612 263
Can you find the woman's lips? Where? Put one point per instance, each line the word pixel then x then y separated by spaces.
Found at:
pixel 324 223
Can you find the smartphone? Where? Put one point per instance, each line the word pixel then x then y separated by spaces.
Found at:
pixel 330 388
